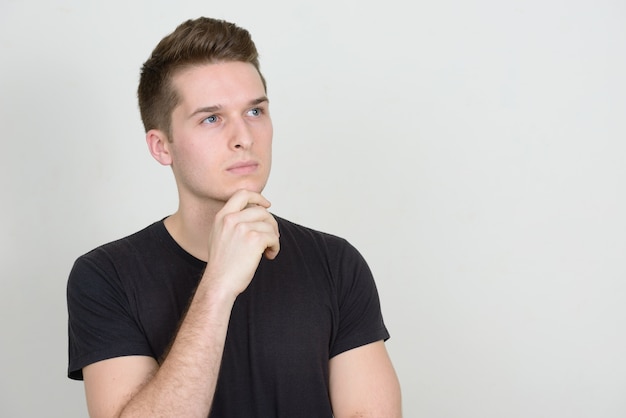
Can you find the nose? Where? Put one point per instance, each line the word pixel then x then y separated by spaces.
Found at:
pixel 241 136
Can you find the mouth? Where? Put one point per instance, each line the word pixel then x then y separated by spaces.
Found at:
pixel 243 167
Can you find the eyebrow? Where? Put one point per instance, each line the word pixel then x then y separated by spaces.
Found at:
pixel 215 108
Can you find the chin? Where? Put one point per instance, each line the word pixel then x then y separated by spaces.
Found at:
pixel 225 197
pixel 253 186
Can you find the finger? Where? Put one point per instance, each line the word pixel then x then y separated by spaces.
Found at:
pixel 244 198
pixel 263 229
pixel 249 215
pixel 264 235
pixel 272 251
pixel 272 245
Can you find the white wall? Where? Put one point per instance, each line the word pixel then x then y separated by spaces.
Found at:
pixel 472 150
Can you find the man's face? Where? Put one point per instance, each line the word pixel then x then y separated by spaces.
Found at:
pixel 221 131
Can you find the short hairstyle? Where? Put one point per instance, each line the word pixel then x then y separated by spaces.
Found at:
pixel 199 41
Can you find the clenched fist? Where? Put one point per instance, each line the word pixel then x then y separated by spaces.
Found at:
pixel 242 233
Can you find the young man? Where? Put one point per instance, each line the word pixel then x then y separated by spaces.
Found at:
pixel 223 309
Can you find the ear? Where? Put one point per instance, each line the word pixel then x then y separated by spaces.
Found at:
pixel 159 146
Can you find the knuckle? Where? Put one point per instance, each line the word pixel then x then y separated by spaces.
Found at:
pixel 255 236
pixel 230 220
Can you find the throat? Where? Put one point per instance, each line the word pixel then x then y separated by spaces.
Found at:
pixel 192 237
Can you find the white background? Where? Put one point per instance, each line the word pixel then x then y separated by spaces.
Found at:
pixel 472 150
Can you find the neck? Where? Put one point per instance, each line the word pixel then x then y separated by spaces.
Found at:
pixel 190 227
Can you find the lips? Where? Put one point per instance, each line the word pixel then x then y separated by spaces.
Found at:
pixel 243 167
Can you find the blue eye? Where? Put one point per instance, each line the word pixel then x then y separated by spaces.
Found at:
pixel 255 112
pixel 210 119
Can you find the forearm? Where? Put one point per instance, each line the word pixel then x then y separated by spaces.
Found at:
pixel 184 385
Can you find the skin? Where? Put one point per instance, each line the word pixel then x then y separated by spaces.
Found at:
pixel 220 154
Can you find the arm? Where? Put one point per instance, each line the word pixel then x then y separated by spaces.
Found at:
pixel 185 382
pixel 363 383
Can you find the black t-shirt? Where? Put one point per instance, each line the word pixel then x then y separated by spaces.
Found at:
pixel 315 300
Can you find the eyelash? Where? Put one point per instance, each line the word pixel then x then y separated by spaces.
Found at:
pixel 259 111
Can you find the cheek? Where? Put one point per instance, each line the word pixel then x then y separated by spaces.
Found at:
pixel 268 133
pixel 270 129
pixel 195 158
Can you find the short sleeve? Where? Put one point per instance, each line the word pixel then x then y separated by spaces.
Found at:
pixel 360 317
pixel 101 324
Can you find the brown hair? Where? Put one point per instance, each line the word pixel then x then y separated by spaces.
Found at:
pixel 199 41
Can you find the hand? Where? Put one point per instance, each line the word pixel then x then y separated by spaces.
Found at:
pixel 242 233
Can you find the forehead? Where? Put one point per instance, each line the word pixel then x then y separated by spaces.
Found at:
pixel 221 83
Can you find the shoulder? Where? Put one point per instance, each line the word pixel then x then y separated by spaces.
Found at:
pixel 335 251
pixel 106 262
pixel 122 246
pixel 300 233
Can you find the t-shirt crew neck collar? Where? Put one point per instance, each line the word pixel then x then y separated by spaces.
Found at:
pixel 163 235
